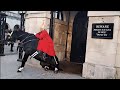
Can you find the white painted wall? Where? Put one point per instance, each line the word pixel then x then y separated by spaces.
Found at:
pixel 12 22
pixel 103 13
pixel 34 20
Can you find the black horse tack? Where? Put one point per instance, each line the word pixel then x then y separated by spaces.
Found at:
pixel 29 44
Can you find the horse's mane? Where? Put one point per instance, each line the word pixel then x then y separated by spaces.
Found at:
pixel 25 32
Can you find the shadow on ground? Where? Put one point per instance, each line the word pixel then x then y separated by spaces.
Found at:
pixel 69 67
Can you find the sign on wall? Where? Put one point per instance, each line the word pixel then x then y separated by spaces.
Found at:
pixel 102 30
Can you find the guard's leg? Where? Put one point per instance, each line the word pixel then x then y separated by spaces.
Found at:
pixel 55 64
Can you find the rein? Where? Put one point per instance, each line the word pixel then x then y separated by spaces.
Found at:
pixel 21 43
pixel 28 41
pixel 26 38
pixel 22 35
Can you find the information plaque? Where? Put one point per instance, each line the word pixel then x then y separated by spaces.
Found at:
pixel 102 30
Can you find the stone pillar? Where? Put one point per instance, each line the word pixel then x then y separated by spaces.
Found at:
pixel 60 36
pixel 103 55
pixel 70 30
pixel 34 20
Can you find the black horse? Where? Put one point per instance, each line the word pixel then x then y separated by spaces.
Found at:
pixel 29 44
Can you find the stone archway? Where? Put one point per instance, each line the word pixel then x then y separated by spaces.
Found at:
pixel 79 37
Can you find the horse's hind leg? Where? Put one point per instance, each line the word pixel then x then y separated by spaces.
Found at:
pixel 23 62
pixel 56 64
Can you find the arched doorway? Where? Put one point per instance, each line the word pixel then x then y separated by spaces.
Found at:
pixel 79 37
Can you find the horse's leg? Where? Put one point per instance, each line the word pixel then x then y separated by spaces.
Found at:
pixel 23 62
pixel 45 65
pixel 20 54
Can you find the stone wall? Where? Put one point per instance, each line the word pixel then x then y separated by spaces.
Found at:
pixel 34 19
pixel 117 62
pixel 102 55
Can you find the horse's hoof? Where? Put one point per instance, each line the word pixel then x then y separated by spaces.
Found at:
pixel 20 60
pixel 56 70
pixel 20 69
pixel 46 68
pixel 11 50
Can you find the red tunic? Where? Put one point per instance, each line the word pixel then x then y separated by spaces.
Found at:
pixel 45 44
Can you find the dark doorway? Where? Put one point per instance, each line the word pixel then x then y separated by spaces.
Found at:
pixel 79 37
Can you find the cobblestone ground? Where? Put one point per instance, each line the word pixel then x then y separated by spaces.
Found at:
pixel 9 65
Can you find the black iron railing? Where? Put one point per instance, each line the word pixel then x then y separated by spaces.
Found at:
pixel 2 32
